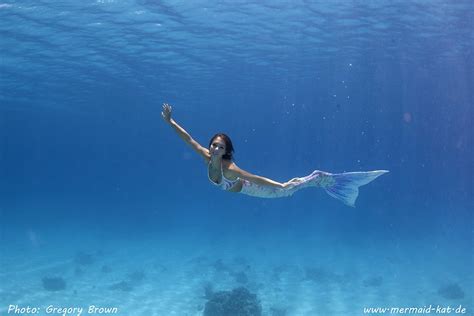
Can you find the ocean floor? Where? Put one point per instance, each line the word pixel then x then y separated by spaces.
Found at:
pixel 178 275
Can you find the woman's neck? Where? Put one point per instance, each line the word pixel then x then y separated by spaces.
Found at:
pixel 216 161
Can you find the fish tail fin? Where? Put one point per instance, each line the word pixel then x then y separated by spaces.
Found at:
pixel 345 186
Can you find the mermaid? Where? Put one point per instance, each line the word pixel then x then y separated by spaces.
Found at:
pixel 225 174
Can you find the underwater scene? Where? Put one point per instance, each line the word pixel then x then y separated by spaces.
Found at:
pixel 236 158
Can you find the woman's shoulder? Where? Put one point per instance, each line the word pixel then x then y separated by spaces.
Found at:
pixel 232 168
pixel 207 159
pixel 229 169
pixel 228 164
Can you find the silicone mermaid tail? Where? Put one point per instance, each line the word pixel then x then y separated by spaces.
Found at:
pixel 342 186
pixel 345 186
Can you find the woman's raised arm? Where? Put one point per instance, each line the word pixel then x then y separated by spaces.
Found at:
pixel 166 114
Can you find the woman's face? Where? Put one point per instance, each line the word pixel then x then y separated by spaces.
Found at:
pixel 217 148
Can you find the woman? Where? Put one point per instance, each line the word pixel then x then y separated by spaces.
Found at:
pixel 224 173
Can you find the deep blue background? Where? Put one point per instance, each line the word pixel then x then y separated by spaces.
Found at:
pixel 298 85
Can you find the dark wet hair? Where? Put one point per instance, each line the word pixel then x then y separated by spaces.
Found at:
pixel 229 149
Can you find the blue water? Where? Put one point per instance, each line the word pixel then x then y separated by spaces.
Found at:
pixel 89 166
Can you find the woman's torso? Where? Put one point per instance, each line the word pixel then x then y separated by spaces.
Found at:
pixel 216 173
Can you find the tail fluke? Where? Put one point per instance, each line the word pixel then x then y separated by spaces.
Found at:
pixel 345 186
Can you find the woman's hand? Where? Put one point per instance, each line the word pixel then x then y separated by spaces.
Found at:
pixel 166 113
pixel 291 183
pixel 287 185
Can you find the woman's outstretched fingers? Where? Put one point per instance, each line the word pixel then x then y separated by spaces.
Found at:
pixel 166 113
